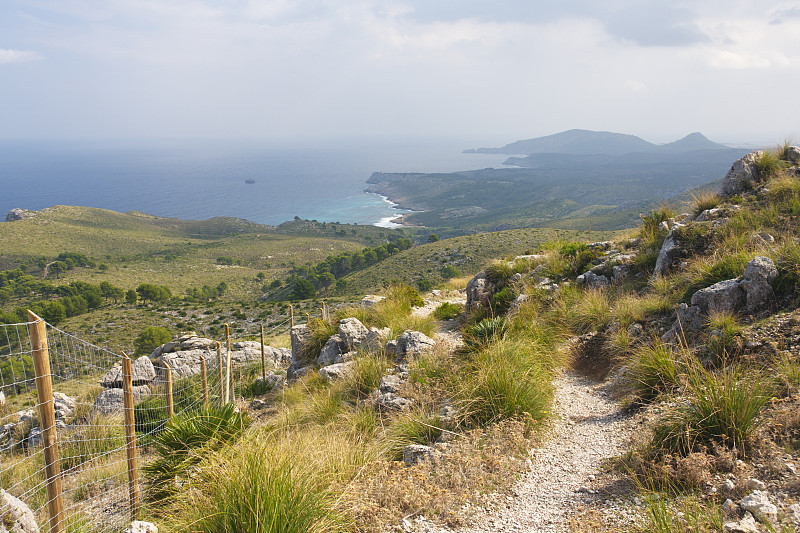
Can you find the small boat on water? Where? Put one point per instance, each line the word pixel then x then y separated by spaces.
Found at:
pixel 250 181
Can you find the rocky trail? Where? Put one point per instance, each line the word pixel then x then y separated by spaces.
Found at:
pixel 589 427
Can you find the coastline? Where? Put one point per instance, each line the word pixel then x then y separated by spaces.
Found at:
pixel 394 221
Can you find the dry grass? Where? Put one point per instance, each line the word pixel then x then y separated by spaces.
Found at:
pixel 481 462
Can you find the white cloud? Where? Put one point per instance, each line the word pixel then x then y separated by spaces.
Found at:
pixel 17 56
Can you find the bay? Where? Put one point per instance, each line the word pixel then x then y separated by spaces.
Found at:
pixel 321 179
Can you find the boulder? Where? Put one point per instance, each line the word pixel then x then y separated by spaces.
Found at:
pixel 390 383
pixel 64 406
pixel 742 176
pixel 479 292
pixel 298 372
pixel 331 352
pixel 414 453
pixel 723 297
pixel 110 400
pixel 590 280
pixel 19 214
pixel 413 343
pixel 337 372
pixel 193 342
pixel 757 503
pixel 370 299
pixel 352 332
pixel 300 336
pixel 746 525
pixel 376 339
pixel 670 250
pixel 16 516
pixel 389 401
pixel 142 370
pixel 757 280
pixel 793 154
pixel 35 438
pixel 138 526
pixel 689 321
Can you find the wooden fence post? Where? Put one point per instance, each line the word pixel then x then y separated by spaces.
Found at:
pixel 291 316
pixel 130 434
pixel 170 407
pixel 227 364
pixel 263 357
pixel 308 319
pixel 47 416
pixel 221 374
pixel 205 380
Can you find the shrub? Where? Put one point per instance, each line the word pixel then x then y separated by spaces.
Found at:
pixel 151 338
pixel 181 444
pixel 501 300
pixel 450 271
pixel 482 333
pixel 447 311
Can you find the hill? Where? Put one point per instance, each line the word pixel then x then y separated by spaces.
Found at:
pixel 586 142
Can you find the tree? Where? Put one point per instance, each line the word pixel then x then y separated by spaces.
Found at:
pixel 102 267
pixel 326 279
pixel 450 272
pixel 131 297
pixel 433 237
pixel 53 312
pixel 303 289
pixel 151 338
pixel 58 267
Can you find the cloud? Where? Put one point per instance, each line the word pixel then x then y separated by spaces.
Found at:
pixel 17 56
pixel 779 16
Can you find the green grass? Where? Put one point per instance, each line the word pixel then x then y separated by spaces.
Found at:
pixel 720 407
pixel 654 370
pixel 252 488
pixel 506 379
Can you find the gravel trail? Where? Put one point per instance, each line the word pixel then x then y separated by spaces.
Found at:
pixel 589 428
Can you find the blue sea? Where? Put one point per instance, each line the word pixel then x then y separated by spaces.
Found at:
pixel 322 180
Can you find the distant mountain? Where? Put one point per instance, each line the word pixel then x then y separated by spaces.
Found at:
pixel 586 142
pixel 693 141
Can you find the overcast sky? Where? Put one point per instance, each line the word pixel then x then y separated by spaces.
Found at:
pixel 500 70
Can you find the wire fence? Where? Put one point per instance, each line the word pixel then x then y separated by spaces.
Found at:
pixel 76 419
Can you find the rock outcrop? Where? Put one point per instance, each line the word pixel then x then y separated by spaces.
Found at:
pixel 742 176
pixel 479 292
pixel 15 516
pixel 142 371
pixel 19 214
pixel 111 400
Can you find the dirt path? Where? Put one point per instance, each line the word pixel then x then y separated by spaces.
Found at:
pixel 590 428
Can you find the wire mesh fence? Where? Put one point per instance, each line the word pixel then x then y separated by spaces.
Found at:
pixel 71 453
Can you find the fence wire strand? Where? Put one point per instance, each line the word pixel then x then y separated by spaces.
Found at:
pixel 89 414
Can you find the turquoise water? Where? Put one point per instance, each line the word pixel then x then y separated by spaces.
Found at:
pixel 202 179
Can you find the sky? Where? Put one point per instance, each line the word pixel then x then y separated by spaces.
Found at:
pixel 495 71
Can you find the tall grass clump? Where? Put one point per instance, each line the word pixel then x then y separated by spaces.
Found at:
pixel 499 272
pixel 654 370
pixel 447 311
pixel 507 379
pixel 418 427
pixel 592 312
pixel 180 445
pixel 103 436
pixel 704 200
pixel 767 164
pixel 320 332
pixel 394 312
pixel 365 376
pixel 720 407
pixel 253 489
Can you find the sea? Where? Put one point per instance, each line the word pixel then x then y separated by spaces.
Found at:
pixel 268 182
